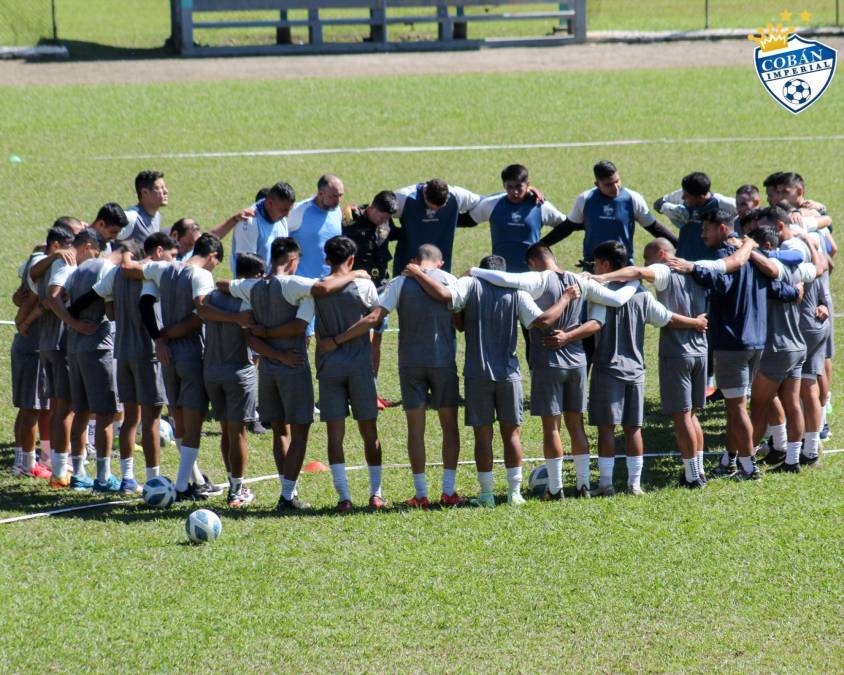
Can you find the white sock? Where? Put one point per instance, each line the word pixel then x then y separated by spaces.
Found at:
pixel 235 484
pixel 18 457
pixel 196 474
pixel 78 463
pixel 605 466
pixel 187 458
pixel 420 485
pixel 127 468
pixel 153 472
pixel 338 475
pixel 746 464
pixel 811 443
pixel 281 480
pixel 554 465
pixel 374 480
pixel 449 478
pixel 780 436
pixel 486 481
pixel 103 469
pixel 823 416
pixel 634 471
pixel 581 465
pixel 792 452
pixel 690 469
pixel 44 455
pixel 28 460
pixel 288 488
pixel 514 479
pixel 178 442
pixel 699 459
pixel 727 458
pixel 59 462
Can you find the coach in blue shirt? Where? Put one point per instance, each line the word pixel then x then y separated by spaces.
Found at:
pixel 313 222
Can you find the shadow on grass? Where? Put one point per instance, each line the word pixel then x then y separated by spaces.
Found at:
pixel 80 50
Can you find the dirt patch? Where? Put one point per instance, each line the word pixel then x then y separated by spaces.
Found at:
pixel 565 58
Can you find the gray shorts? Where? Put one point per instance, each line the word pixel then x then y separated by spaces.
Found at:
pixel 92 382
pixel 337 393
pixel 283 397
pixel 140 382
pixel 813 366
pixel 232 393
pixel 613 401
pixel 29 382
pixel 554 391
pixel 735 371
pixel 682 384
pixel 779 366
pixel 184 382
pixel 487 400
pixel 58 373
pixel 417 381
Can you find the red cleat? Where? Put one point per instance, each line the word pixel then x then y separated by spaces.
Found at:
pixel 452 500
pixel 41 471
pixel 710 391
pixel 344 506
pixel 418 503
pixel 376 503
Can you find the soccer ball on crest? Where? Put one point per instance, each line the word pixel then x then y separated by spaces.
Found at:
pixel 797 91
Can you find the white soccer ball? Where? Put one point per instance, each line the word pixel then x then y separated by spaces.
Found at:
pixel 203 525
pixel 797 91
pixel 165 433
pixel 159 492
pixel 538 480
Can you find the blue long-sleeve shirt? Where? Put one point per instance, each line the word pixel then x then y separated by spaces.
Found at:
pixel 738 309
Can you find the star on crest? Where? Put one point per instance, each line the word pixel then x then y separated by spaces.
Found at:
pixel 785 15
pixel 805 16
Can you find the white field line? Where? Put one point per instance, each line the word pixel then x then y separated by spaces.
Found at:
pixel 357 467
pixel 461 148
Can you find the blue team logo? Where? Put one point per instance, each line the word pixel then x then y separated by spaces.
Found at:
pixel 795 71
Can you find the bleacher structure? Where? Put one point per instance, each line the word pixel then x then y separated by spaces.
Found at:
pixel 378 15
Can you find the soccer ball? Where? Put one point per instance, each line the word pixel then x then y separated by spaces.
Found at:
pixel 165 433
pixel 797 91
pixel 159 492
pixel 538 480
pixel 203 525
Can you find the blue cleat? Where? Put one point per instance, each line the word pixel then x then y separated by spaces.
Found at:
pixel 129 486
pixel 81 483
pixel 109 486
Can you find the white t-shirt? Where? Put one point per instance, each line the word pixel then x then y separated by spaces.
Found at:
pixel 548 213
pixel 60 272
pixel 295 290
pixel 641 213
pixel 466 200
pixel 525 306
pixel 389 298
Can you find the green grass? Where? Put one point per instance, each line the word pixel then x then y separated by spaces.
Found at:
pixel 741 577
pixel 145 24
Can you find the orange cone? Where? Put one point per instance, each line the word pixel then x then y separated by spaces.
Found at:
pixel 315 467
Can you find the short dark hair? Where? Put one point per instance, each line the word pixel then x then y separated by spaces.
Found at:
pixel 67 221
pixel 765 234
pixel 60 234
pixel 180 227
pixel 514 172
pixel 716 216
pixel 157 239
pixel 696 183
pixel 429 252
pixel 747 189
pixel 282 247
pixel 249 265
pixel 774 214
pixel 146 179
pixel 129 246
pixel 262 193
pixel 324 180
pixel 604 169
pixel 112 214
pixel 538 251
pixel 339 249
pixel 784 179
pixel 282 191
pixel 493 262
pixel 89 236
pixel 613 252
pixel 208 244
pixel 436 191
pixel 386 202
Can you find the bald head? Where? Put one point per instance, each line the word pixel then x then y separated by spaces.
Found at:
pixel 330 191
pixel 658 250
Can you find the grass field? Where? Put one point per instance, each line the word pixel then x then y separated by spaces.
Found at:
pixel 737 577
pixel 145 24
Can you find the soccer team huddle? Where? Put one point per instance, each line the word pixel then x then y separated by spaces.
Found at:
pixel 117 320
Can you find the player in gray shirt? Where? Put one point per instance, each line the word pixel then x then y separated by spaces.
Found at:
pixel 557 358
pixel 427 369
pixel 490 316
pixel 617 388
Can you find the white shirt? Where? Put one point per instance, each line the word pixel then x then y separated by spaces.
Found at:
pixel 389 299
pixel 525 306
pixel 548 213
pixel 641 213
pixel 60 272
pixel 295 290
pixel 466 200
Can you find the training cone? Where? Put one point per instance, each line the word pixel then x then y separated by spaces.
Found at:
pixel 14 159
pixel 315 467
